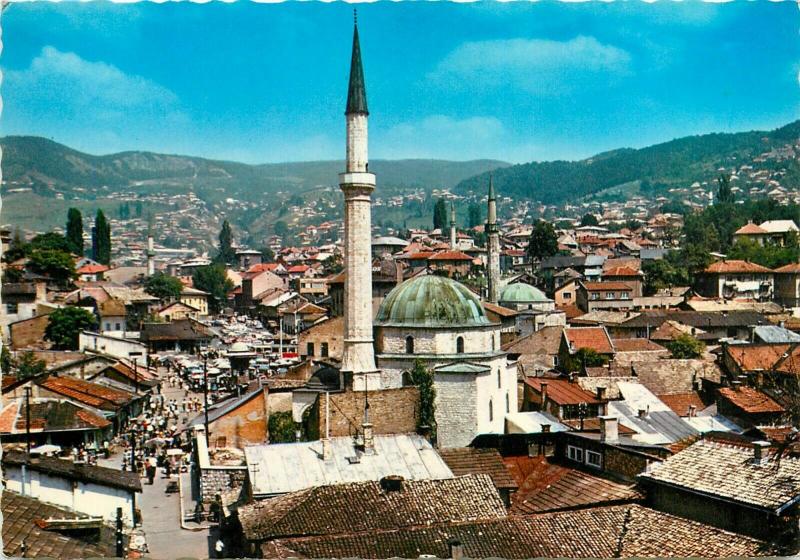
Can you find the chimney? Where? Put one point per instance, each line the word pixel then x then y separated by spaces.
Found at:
pixel 392 483
pixel 760 452
pixel 326 449
pixel 737 385
pixel 601 393
pixel 456 549
pixel 642 413
pixel 369 439
pixel 545 428
pixel 609 429
pixel 692 411
pixel 544 395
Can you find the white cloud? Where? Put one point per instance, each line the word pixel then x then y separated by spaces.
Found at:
pixel 540 66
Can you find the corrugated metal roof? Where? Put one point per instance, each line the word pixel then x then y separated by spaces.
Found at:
pixel 531 423
pixel 659 425
pixel 288 467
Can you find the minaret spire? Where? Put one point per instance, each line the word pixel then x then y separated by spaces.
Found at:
pixel 357 184
pixel 150 253
pixel 452 226
pixel 493 247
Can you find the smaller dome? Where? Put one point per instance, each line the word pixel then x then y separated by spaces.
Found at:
pixel 520 292
pixel 239 347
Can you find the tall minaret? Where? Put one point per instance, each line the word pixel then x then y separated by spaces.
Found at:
pixel 493 246
pixel 452 226
pixel 151 253
pixel 357 184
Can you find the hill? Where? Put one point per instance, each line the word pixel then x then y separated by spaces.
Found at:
pixel 656 168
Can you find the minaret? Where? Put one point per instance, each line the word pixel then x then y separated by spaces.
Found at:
pixel 151 253
pixel 452 226
pixel 493 246
pixel 357 184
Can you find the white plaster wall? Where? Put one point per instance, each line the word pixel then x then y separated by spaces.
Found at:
pixel 117 347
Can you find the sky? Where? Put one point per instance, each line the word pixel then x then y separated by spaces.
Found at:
pixel 514 81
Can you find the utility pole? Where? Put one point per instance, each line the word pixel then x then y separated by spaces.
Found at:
pixel 120 549
pixel 135 377
pixel 28 418
pixel 205 395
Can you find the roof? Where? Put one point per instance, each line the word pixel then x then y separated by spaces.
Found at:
pixel 775 334
pixel 595 338
pixel 664 377
pixel 218 410
pixel 680 403
pixel 701 319
pixel 356 89
pixel 431 301
pixel 616 531
pixel 606 286
pixel 573 489
pixel 637 345
pixel 779 226
pixel 520 292
pixel 369 505
pixel 659 424
pixel 728 471
pixel 622 271
pixel 184 329
pixel 49 415
pixel 499 309
pixel 750 229
pixel 531 422
pixel 92 269
pixel 450 256
pixel 544 341
pixel 562 391
pixel 756 357
pixel 70 470
pixel 469 460
pixel 791 268
pixel 288 467
pixel 736 266
pixel 88 393
pixel 749 400
pixel 22 516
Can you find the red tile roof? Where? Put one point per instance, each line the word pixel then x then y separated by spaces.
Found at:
pixel 298 268
pixel 450 256
pixel 88 393
pixel 92 269
pixel 622 271
pixel 562 391
pixel 595 338
pixel 791 268
pixel 734 266
pixel 750 229
pixel 261 267
pixel 606 286
pixel 750 400
pixel 755 357
pixel 679 403
pixel 636 345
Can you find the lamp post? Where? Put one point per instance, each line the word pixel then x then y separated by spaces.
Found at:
pixel 205 394
pixel 28 419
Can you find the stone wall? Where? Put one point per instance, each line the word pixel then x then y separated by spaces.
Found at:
pixel 217 480
pixel 29 333
pixel 456 409
pixel 244 425
pixel 330 332
pixel 391 411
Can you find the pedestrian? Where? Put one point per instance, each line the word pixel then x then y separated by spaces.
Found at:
pixel 219 547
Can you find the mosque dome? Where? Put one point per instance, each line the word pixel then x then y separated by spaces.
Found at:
pixel 431 301
pixel 520 292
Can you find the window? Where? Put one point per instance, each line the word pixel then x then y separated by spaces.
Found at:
pixel 593 459
pixel 624 295
pixel 609 295
pixel 116 327
pixel 323 350
pixel 567 295
pixel 499 379
pixel 108 326
pixel 460 345
pixel 575 453
pixel 508 404
pixel 11 308
pixel 409 345
pixel 491 411
pixel 310 349
pixel 595 295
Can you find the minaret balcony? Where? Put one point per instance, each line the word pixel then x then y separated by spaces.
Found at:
pixel 357 179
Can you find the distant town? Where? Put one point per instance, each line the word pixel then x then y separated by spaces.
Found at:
pixel 424 373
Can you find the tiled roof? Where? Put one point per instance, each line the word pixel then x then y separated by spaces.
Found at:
pixel 728 471
pixel 791 268
pixel 573 490
pixel 70 470
pixel 49 415
pixel 469 460
pixel 607 286
pixel 622 271
pixel 92 269
pixel 616 531
pixel 750 400
pixel 750 229
pixel 636 345
pixel 20 517
pixel 450 256
pixel 680 402
pixel 562 391
pixel 86 392
pixel 735 266
pixel 595 338
pixel 544 341
pixel 665 377
pixel 499 309
pixel 367 506
pixel 754 357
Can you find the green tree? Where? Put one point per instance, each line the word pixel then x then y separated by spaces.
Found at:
pixel 422 378
pixel 267 254
pixel 686 346
pixel 724 193
pixel 700 239
pixel 474 215
pixel 163 286
pixel 58 265
pixel 585 357
pixel 29 366
pixel 75 231
pixel 50 241
pixel 589 220
pixel 17 249
pixel 101 239
pixel 12 275
pixel 64 325
pixel 281 427
pixel 5 360
pixel 440 214
pixel 214 280
pixel 226 253
pixel 663 274
pixel 281 229
pixel 543 242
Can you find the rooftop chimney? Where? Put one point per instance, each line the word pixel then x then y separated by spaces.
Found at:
pixel 642 413
pixel 760 452
pixel 456 549
pixel 392 483
pixel 545 428
pixel 609 429
pixel 692 411
pixel 601 393
pixel 737 385
pixel 544 394
pixel 369 439
pixel 326 449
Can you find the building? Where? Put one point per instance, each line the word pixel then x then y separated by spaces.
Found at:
pixel 787 285
pixel 733 279
pixel 534 309
pixel 593 296
pixel 196 299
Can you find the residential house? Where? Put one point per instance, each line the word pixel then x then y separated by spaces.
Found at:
pixel 574 339
pixel 787 285
pixel 748 407
pixel 186 335
pixel 633 277
pixel 324 340
pixel 196 299
pixel 239 421
pixel 591 296
pixel 735 279
pixel 52 421
pixel 563 398
pixel 465 461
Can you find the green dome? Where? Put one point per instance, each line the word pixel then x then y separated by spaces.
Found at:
pixel 522 293
pixel 431 301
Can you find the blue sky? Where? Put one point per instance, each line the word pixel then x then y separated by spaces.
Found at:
pixel 512 81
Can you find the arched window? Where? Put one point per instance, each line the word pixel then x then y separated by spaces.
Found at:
pixel 492 343
pixel 508 404
pixel 409 345
pixel 491 411
pixel 499 380
pixel 460 345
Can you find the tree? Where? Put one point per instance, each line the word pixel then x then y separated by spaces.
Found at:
pixel 281 427
pixel 65 324
pixel 101 239
pixel 50 241
pixel 440 214
pixel 17 249
pixel 422 378
pixel 267 254
pixel 58 265
pixel 214 280
pixel 226 254
pixel 662 274
pixel 544 241
pixel 163 286
pixel 281 229
pixel 589 220
pixel 724 193
pixel 75 231
pixel 585 357
pixel 474 215
pixel 686 346
pixel 29 366
pixel 5 360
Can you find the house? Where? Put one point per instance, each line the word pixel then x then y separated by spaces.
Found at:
pixel 386 274
pixel 91 490
pixel 537 352
pixel 324 340
pixel 53 421
pixel 196 299
pixel 735 279
pixel 787 285
pixel 575 339
pixel 778 231
pixel 454 264
pixel 176 311
pixel 563 398
pixel 654 423
pixel 21 299
pixel 91 272
pixel 566 293
pixel 115 346
pixel 748 407
pixel 737 486
pixel 633 277
pixel 185 335
pixel 710 326
pixel 591 296
pixel 752 233
pixel 248 258
pixel 113 316
pixel 238 421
